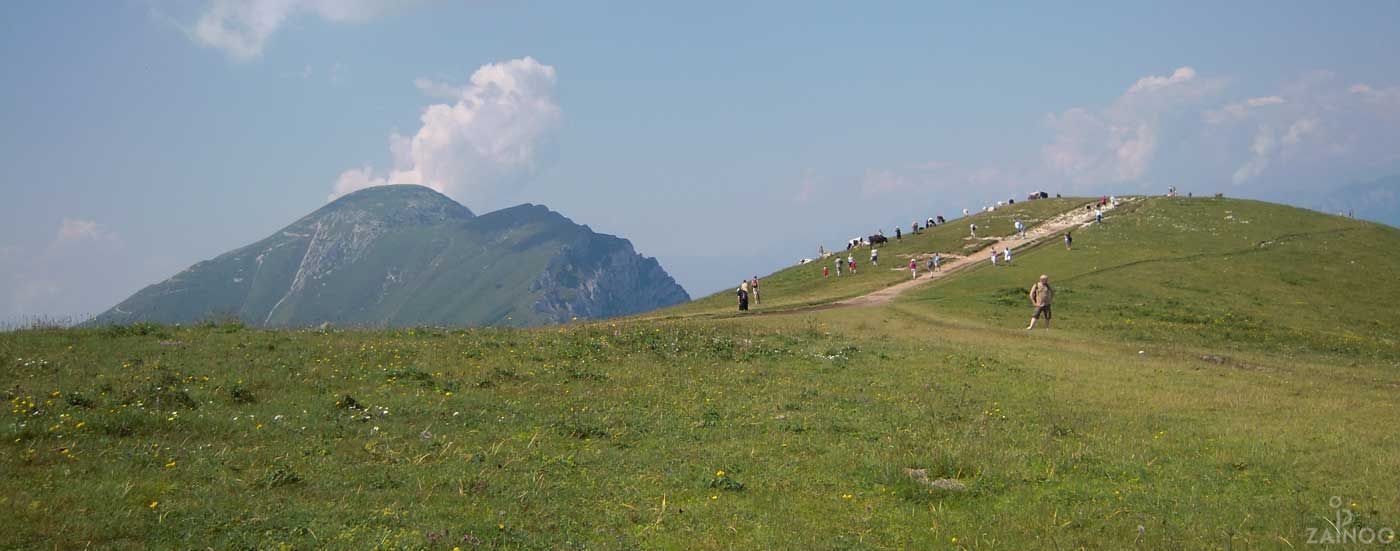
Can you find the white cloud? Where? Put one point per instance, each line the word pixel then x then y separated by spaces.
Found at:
pixel 76 230
pixel 1119 142
pixel 1154 83
pixel 1240 110
pixel 241 28
pixel 480 149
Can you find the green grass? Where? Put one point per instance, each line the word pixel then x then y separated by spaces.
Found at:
pixel 614 435
pixel 804 285
pixel 1226 274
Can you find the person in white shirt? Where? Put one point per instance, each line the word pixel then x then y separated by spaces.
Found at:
pixel 1006 254
pixel 874 256
pixel 994 256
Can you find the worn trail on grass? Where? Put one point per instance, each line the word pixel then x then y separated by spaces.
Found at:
pixel 1074 218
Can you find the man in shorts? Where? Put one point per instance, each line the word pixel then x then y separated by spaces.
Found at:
pixel 1041 297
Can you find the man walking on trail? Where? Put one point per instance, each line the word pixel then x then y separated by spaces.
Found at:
pixel 1098 216
pixel 1041 296
pixel 1020 230
pixel 1006 258
pixel 913 268
pixel 936 261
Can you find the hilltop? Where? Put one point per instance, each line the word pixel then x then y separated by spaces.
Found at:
pixel 1220 374
pixel 407 255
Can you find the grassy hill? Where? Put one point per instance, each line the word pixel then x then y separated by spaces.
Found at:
pixel 1220 417
pixel 804 285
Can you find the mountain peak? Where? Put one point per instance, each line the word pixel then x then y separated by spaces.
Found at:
pixel 396 204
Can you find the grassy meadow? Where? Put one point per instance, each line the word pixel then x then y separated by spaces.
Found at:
pixel 1255 383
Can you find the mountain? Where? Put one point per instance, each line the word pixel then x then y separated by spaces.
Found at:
pixel 407 255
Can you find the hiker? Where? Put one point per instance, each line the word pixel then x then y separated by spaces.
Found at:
pixel 913 268
pixel 1069 241
pixel 826 272
pixel 994 256
pixel 874 256
pixel 754 288
pixel 851 260
pixel 743 296
pixel 1006 258
pixel 936 261
pixel 838 265
pixel 974 229
pixel 1041 296
pixel 897 233
pixel 930 266
pixel 1020 230
pixel 1098 216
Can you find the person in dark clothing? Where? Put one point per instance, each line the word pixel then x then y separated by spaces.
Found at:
pixel 743 292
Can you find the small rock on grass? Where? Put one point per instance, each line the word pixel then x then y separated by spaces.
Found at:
pixel 945 484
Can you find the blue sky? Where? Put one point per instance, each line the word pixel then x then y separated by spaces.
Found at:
pixel 726 139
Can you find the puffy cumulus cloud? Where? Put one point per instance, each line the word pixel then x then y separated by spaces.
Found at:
pixel 1118 143
pixel 241 28
pixel 495 136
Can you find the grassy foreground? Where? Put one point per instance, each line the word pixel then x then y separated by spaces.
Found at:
pixel 772 432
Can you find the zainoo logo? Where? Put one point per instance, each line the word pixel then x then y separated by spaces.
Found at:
pixel 1342 529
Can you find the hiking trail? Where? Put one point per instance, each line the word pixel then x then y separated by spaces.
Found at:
pixel 1078 217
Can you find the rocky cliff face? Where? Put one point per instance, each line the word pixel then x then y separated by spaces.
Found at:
pixel 406 255
pixel 603 277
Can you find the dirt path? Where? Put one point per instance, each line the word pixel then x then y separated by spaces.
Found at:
pixel 1076 218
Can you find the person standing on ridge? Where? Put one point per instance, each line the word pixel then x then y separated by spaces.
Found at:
pixel 1041 296
pixel 897 233
pixel 753 288
pixel 743 293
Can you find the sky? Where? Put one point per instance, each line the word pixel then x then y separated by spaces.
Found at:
pixel 726 139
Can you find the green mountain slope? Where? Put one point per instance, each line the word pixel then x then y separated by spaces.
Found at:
pixel 1212 272
pixel 804 284
pixel 406 255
